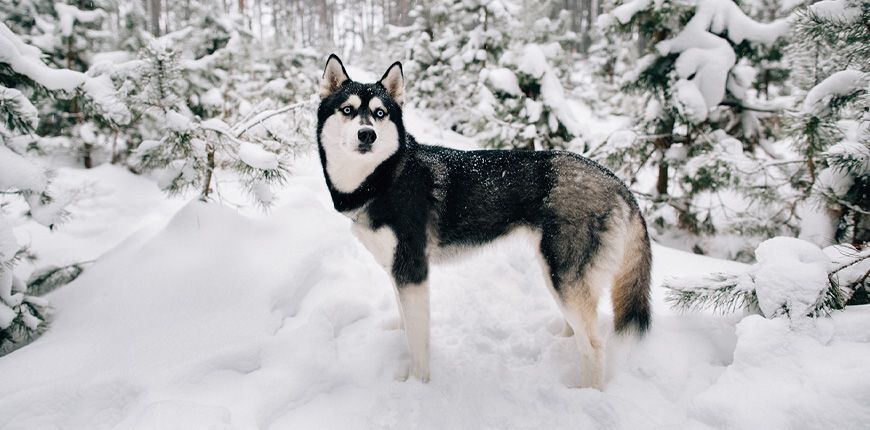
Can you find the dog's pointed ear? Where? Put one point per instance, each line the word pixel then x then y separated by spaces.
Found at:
pixel 394 81
pixel 333 76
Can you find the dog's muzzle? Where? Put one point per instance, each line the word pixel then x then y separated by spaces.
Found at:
pixel 366 138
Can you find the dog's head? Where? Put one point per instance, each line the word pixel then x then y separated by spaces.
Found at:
pixel 359 126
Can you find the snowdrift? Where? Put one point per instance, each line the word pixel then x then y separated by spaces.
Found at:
pixel 224 321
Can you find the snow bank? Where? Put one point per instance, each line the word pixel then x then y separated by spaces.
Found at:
pixel 284 320
pixel 785 377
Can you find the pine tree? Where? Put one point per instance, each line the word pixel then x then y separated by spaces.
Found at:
pixel 491 70
pixel 831 51
pixel 792 278
pixel 695 82
pixel 192 149
pixel 23 179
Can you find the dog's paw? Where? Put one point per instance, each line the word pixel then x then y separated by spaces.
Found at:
pixel 402 372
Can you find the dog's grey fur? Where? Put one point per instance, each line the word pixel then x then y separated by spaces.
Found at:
pixel 414 203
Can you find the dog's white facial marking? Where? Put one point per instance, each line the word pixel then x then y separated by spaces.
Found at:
pixel 353 101
pixel 375 104
pixel 346 165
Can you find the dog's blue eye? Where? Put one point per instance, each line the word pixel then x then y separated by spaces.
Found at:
pixel 346 110
pixel 380 113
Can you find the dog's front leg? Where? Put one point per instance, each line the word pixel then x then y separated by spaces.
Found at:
pixel 414 302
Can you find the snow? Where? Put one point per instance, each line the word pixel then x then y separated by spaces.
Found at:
pixel 858 152
pixel 790 274
pixel 690 101
pixel 68 15
pixel 707 57
pixel 25 59
pixel 255 156
pixel 623 13
pixel 8 243
pixel 533 62
pixel 834 181
pixel 21 104
pixel 204 316
pixel 178 122
pixel 101 90
pixel 19 173
pixel 838 84
pixel 504 80
pixel 787 377
pixel 836 11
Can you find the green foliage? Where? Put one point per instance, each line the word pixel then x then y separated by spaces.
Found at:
pixel 833 134
pixel 48 279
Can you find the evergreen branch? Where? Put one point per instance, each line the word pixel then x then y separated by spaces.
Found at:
pixel 259 120
pixel 721 294
pixel 50 278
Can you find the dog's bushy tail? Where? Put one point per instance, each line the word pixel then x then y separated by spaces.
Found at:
pixel 631 287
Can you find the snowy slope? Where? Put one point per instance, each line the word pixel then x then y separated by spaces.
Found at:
pixel 213 319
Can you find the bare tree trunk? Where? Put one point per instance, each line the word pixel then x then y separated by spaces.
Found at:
pixel 206 184
pixel 665 130
pixel 154 8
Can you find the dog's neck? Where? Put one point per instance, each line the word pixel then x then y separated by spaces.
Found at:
pixel 381 178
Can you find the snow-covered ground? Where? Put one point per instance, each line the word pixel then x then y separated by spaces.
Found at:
pixel 202 316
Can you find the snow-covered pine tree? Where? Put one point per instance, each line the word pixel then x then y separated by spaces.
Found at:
pixel 77 122
pixel 792 278
pixel 831 52
pixel 698 98
pixel 445 50
pixel 24 182
pixel 492 70
pixel 192 149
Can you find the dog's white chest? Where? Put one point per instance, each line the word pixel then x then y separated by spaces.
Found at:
pixel 381 242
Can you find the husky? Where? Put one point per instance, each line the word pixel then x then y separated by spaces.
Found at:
pixel 412 204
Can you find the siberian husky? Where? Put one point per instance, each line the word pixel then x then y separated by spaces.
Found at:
pixel 411 203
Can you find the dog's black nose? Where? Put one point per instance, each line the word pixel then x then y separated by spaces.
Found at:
pixel 367 135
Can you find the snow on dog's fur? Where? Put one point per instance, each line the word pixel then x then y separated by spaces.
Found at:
pixel 413 203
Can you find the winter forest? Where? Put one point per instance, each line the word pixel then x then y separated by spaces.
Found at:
pixel 170 257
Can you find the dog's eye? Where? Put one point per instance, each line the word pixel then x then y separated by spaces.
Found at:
pixel 380 113
pixel 346 110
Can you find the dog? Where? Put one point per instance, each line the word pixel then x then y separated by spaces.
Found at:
pixel 413 204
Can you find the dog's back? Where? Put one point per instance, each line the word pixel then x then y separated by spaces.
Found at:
pixel 587 219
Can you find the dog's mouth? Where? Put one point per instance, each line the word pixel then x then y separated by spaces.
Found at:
pixel 364 148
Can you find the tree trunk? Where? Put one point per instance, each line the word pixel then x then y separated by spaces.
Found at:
pixel 154 8
pixel 206 184
pixel 665 130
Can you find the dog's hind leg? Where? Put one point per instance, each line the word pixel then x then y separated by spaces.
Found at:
pixel 580 306
pixel 414 302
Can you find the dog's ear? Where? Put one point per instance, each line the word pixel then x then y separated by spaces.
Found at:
pixel 333 76
pixel 394 81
